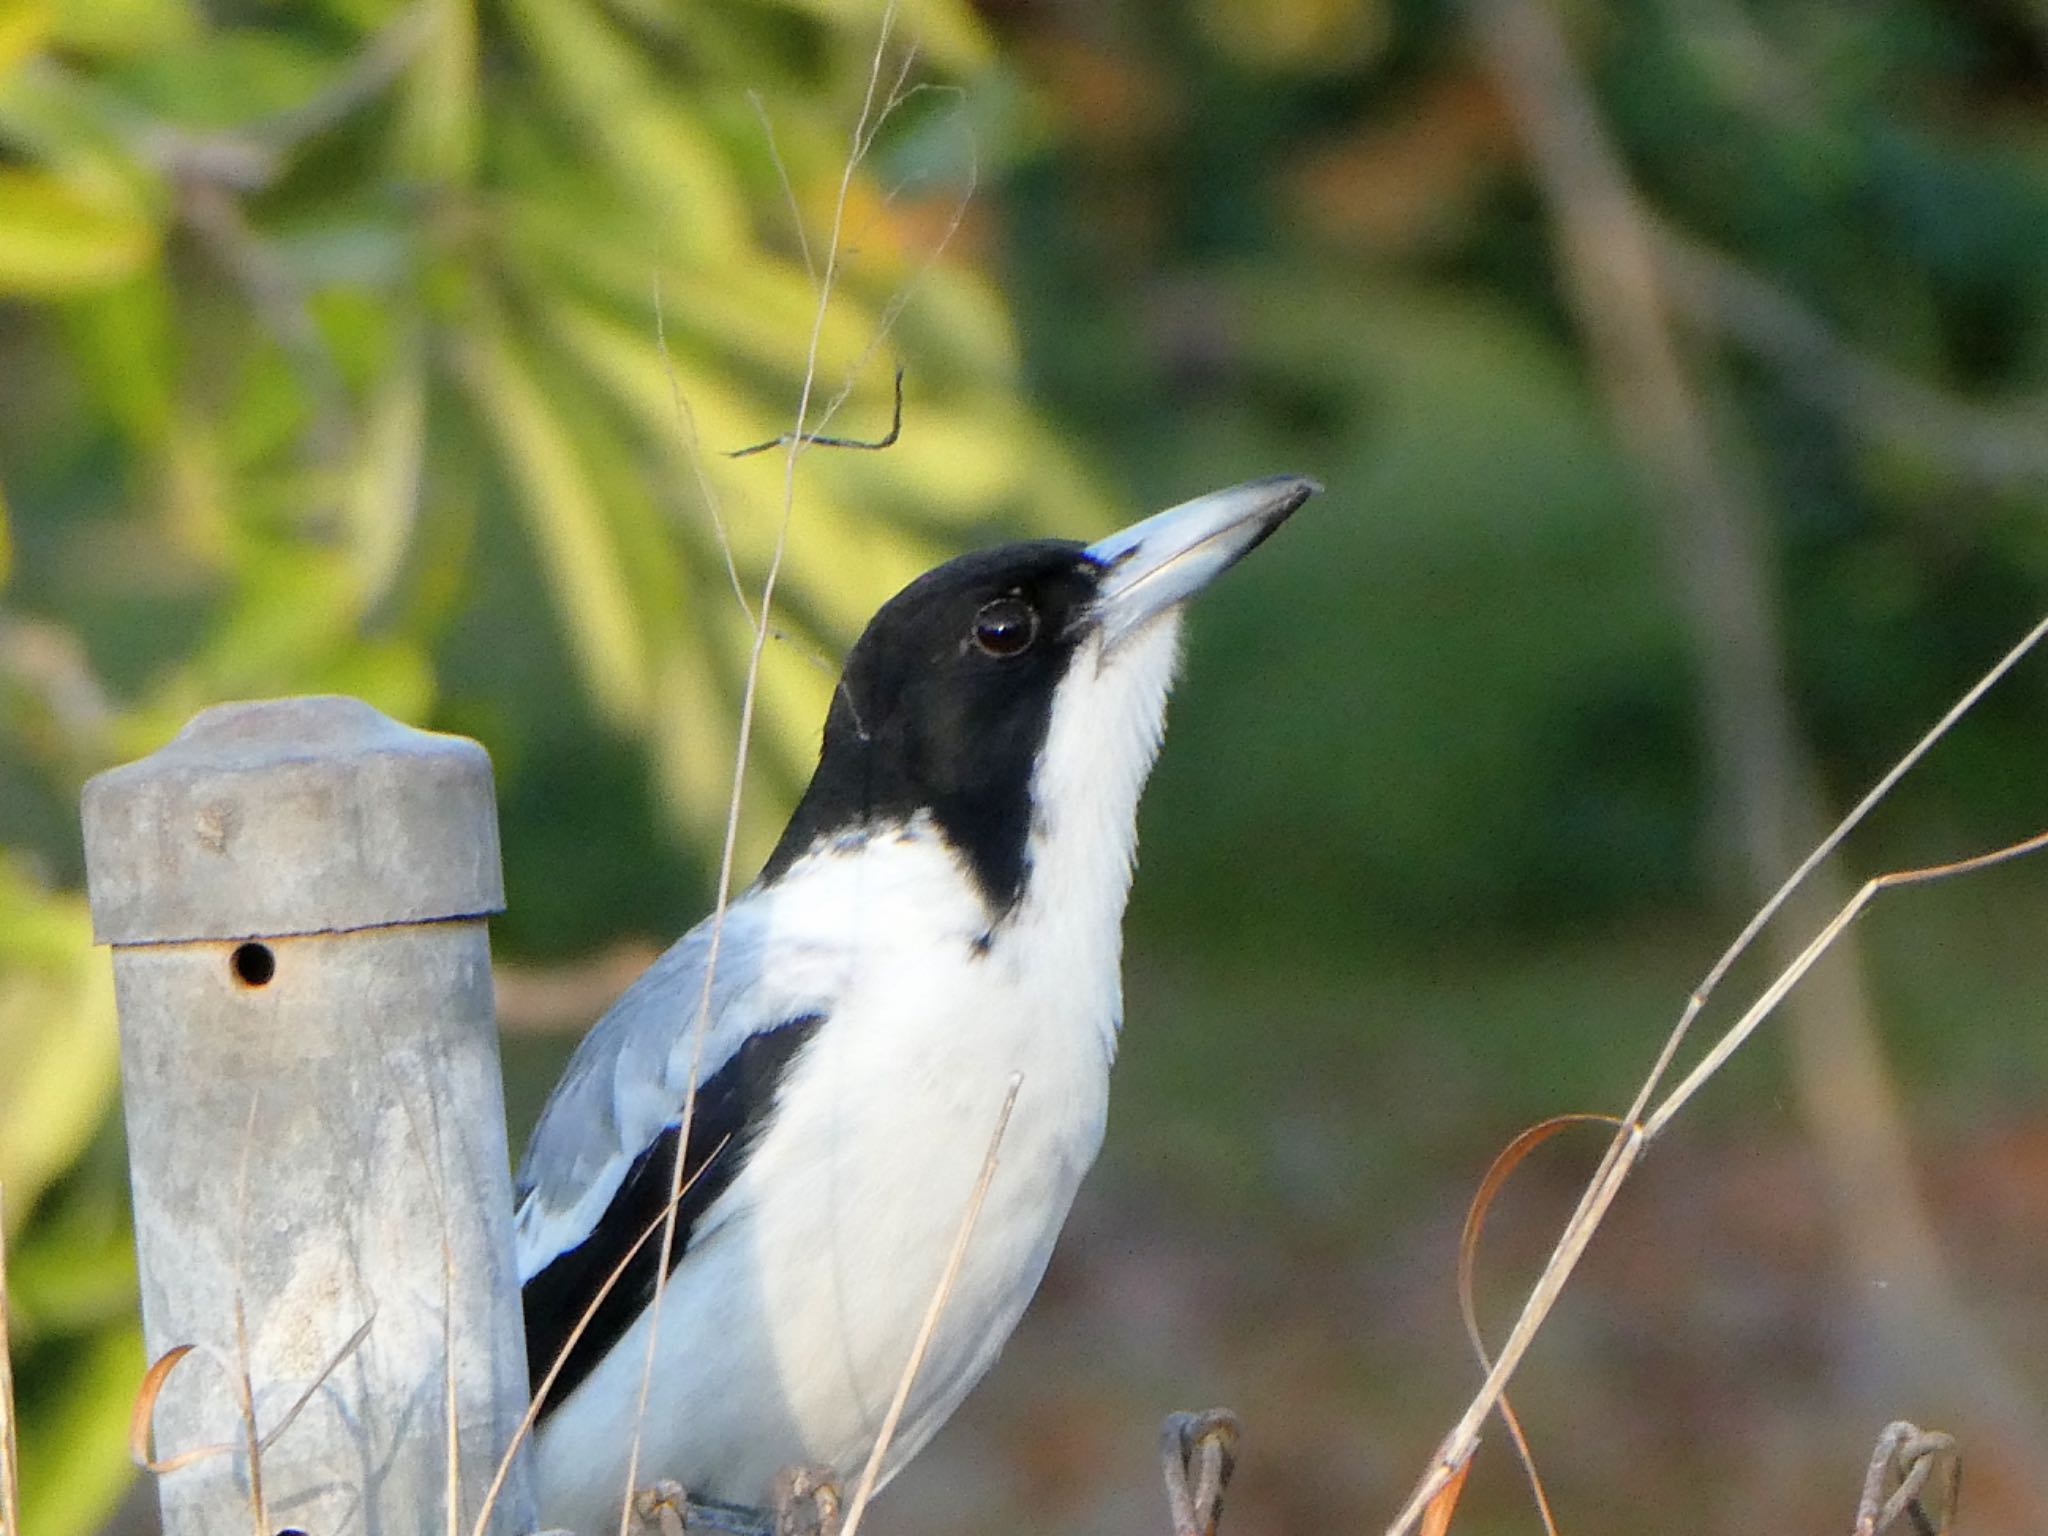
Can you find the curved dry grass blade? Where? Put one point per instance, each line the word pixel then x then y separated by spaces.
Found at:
pixel 1509 1159
pixel 873 1470
pixel 1436 1517
pixel 142 1417
pixel 1635 1132
pixel 1455 1450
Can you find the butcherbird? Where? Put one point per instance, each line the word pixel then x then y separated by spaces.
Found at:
pixel 943 912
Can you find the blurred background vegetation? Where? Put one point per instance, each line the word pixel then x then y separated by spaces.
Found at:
pixel 1679 372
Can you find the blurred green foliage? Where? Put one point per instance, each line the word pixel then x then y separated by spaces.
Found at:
pixel 391 349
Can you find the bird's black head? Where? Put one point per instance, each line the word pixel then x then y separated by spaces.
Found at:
pixel 948 698
pixel 944 704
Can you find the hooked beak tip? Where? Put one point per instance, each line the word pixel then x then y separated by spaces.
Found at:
pixel 1167 558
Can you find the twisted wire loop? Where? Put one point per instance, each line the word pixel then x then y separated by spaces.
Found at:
pixel 663 1508
pixel 1903 1462
pixel 1198 1452
pixel 807 1502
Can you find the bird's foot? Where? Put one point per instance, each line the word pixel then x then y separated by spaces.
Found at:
pixel 807 1502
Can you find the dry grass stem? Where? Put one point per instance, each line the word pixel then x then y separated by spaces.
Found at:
pixel 244 1384
pixel 1635 1131
pixel 796 212
pixel 245 1400
pixel 686 434
pixel 451 1512
pixel 947 1277
pixel 554 1370
pixel 10 1464
pixel 1743 1028
pixel 749 697
pixel 875 107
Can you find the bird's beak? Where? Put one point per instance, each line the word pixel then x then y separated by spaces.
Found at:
pixel 1163 561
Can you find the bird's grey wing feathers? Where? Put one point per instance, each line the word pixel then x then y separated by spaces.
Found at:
pixel 599 1171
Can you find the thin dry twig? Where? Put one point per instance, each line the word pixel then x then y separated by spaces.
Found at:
pixel 241 1376
pixel 820 440
pixel 806 432
pixel 872 1472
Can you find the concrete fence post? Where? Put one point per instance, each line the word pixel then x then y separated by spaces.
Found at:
pixel 295 892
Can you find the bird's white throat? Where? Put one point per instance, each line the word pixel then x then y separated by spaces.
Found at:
pixel 1108 718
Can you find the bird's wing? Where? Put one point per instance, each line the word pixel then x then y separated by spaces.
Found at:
pixel 600 1169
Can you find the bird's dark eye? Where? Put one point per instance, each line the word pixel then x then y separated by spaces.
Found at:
pixel 1006 626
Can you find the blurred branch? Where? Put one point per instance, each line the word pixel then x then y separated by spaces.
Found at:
pixel 213 211
pixel 563 999
pixel 1995 446
pixel 49 663
pixel 213 172
pixel 249 158
pixel 1764 778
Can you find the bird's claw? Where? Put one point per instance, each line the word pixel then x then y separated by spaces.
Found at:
pixel 1198 1452
pixel 807 1502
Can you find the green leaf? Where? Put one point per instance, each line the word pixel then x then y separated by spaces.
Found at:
pixel 74 1436
pixel 55 240
pixel 667 164
pixel 441 108
pixel 57 1035
pixel 122 28
pixel 569 528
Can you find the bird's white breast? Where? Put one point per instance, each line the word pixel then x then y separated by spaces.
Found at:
pixel 789 1323
pixel 787 1326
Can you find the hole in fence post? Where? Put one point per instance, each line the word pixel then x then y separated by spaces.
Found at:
pixel 253 964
